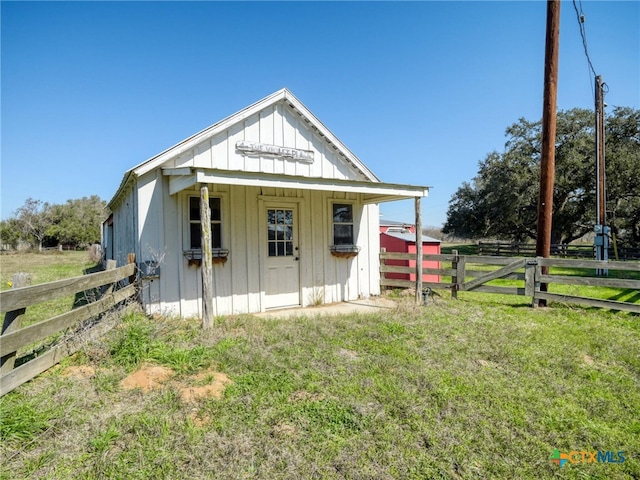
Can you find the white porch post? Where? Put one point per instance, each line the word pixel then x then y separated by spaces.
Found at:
pixel 418 250
pixel 207 259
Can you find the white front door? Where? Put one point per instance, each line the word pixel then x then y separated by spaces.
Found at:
pixel 282 266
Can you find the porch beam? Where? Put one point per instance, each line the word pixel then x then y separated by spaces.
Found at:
pixel 180 183
pixel 176 171
pixel 366 199
pixel 259 179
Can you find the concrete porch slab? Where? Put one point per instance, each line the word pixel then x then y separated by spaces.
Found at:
pixel 368 305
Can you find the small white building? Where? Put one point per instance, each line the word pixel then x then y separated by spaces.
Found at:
pixel 294 215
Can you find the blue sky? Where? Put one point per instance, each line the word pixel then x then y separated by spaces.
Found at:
pixel 419 91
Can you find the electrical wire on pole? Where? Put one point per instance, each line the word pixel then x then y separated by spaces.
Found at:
pixel 600 229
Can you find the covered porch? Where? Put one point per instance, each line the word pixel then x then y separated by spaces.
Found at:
pixel 306 241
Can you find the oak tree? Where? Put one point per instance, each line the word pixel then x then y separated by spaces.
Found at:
pixel 501 200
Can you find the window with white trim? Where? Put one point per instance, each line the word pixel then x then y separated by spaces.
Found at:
pixel 343 224
pixel 195 229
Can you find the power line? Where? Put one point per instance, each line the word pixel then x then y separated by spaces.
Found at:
pixel 583 34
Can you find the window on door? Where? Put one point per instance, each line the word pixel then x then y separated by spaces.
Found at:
pixel 343 224
pixel 279 232
pixel 195 229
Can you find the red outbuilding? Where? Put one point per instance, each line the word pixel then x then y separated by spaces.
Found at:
pixel 401 237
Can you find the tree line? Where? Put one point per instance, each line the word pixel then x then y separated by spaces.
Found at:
pixel 39 224
pixel 501 200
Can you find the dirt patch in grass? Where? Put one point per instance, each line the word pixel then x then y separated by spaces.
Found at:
pixel 207 384
pixel 79 371
pixel 147 378
pixel 587 359
pixel 217 382
pixel 348 354
pixel 284 430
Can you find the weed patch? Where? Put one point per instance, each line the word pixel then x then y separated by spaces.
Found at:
pixel 139 340
pixel 22 418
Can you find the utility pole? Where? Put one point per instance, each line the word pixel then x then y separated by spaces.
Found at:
pixel 548 160
pixel 601 230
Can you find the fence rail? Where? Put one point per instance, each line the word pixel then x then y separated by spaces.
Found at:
pixel 13 304
pixel 533 272
pixel 557 250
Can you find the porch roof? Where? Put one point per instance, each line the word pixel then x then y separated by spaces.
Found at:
pixel 371 192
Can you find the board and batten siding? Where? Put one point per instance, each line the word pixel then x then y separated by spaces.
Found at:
pixel 150 226
pixel 238 283
pixel 153 224
pixel 125 227
pixel 275 125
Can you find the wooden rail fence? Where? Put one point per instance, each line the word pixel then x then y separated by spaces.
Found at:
pixel 465 275
pixel 13 304
pixel 507 249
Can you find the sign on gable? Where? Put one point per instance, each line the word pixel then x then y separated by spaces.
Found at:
pixel 253 148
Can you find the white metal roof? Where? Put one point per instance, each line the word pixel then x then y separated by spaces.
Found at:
pixel 411 237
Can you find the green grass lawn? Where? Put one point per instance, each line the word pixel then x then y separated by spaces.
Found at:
pixel 605 293
pixel 44 268
pixel 479 387
pixel 462 249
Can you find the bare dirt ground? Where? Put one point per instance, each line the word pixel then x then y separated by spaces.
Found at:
pixel 206 384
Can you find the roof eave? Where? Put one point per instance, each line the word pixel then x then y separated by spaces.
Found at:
pixel 371 192
pixel 125 185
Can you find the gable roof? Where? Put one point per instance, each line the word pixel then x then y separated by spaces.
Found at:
pixel 393 223
pixel 295 105
pixel 238 117
pixel 281 95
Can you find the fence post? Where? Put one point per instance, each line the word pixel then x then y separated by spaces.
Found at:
pixel 457 264
pixel 11 322
pixel 536 283
pixel 383 262
pixel 418 212
pixel 111 265
pixel 454 279
pixel 131 258
pixel 530 277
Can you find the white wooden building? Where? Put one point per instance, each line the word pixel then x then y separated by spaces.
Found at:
pixel 294 215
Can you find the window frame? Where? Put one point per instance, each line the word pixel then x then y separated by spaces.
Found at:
pixel 352 223
pixel 219 222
